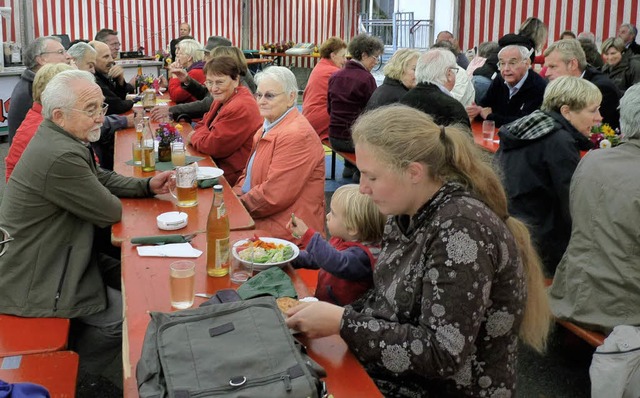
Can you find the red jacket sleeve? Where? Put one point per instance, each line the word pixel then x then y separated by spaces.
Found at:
pixel 179 94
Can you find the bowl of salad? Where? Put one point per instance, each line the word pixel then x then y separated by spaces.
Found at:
pixel 264 252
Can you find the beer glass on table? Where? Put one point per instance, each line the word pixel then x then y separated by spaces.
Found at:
pixel 186 185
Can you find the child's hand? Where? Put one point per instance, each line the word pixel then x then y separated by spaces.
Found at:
pixel 298 229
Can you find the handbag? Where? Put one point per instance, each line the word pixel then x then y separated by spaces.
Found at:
pixel 235 349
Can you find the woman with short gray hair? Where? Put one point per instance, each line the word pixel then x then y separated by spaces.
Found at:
pixel 189 56
pixel 539 153
pixel 285 172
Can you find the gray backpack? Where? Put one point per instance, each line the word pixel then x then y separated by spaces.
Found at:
pixel 235 349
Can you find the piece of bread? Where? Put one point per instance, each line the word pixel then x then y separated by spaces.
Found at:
pixel 285 303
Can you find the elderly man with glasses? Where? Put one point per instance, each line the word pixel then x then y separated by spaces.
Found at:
pixel 436 76
pixel 515 93
pixel 43 50
pixel 54 202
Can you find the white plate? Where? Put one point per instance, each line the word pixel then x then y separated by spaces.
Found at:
pixel 205 173
pixel 263 266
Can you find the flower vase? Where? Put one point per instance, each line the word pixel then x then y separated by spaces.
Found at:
pixel 164 152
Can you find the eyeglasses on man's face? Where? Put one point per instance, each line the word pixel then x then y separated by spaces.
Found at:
pixel 94 114
pixel 61 52
pixel 510 64
pixel 268 96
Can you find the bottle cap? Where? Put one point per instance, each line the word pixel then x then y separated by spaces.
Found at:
pixel 217 188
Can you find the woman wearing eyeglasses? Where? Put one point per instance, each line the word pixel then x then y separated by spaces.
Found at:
pixel 285 172
pixel 349 92
pixel 225 132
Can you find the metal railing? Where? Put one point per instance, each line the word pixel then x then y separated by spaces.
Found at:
pixel 401 31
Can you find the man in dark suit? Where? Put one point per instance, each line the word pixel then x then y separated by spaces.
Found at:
pixel 515 93
pixel 628 33
pixel 436 76
pixel 110 78
pixel 567 58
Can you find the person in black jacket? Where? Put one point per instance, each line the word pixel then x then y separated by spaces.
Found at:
pixel 399 77
pixel 623 66
pixel 567 58
pixel 538 155
pixel 110 78
pixel 436 76
pixel 628 32
pixel 515 93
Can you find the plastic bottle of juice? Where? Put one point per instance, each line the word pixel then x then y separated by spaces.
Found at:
pixel 218 236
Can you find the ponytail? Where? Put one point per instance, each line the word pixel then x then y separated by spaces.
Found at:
pixel 403 135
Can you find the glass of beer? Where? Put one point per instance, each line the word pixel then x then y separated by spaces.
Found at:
pixel 186 185
pixel 182 286
pixel 178 155
pixel 137 153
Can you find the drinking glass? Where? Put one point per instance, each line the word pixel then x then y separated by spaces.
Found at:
pixel 488 129
pixel 239 271
pixel 136 149
pixel 178 155
pixel 182 287
pixel 186 185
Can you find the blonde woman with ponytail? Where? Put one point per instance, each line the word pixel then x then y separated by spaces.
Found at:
pixel 457 282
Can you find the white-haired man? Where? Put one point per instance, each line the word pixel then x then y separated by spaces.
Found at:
pixel 55 200
pixel 517 92
pixel 628 32
pixel 436 76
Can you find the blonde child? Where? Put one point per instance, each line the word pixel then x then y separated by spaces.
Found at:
pixel 346 261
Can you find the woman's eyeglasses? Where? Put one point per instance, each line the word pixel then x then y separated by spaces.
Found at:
pixel 4 243
pixel 268 96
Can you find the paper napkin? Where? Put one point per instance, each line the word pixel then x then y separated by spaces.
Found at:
pixel 170 250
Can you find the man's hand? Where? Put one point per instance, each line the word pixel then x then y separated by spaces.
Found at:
pixel 484 112
pixel 473 111
pixel 117 74
pixel 160 182
pixel 159 113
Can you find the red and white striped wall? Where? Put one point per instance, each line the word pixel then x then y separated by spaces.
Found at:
pixel 302 21
pixel 153 23
pixel 488 20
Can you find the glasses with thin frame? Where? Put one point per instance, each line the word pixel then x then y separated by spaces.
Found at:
pixel 96 113
pixel 218 84
pixel 511 64
pixel 268 96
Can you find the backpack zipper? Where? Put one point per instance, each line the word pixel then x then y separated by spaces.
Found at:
pixel 284 377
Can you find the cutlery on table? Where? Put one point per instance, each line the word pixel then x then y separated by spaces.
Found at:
pixel 164 239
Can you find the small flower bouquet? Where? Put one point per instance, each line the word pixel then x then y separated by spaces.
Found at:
pixel 166 133
pixel 145 82
pixel 163 56
pixel 603 136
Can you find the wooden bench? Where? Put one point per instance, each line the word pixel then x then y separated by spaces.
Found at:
pixel 20 335
pixel 55 371
pixel 593 338
pixel 351 157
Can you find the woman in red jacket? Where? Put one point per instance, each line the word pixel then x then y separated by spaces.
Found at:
pixel 314 100
pixel 189 56
pixel 227 130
